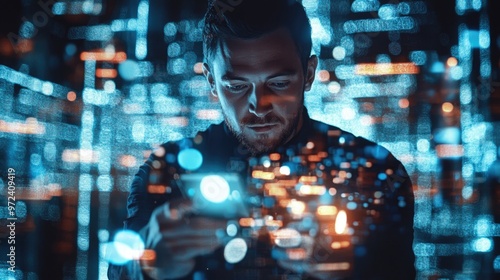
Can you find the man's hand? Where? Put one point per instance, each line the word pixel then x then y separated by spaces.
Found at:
pixel 177 239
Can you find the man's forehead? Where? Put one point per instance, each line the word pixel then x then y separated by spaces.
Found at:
pixel 272 50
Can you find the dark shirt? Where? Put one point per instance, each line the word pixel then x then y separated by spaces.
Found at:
pixel 360 177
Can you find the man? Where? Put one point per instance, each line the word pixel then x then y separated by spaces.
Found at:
pixel 258 66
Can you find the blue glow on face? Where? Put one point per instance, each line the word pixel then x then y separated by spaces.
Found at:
pixel 190 159
pixel 214 188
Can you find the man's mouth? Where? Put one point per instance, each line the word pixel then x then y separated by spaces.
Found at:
pixel 262 128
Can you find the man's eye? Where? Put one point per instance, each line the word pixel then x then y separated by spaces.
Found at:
pixel 236 88
pixel 280 85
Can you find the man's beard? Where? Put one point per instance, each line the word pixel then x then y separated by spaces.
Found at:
pixel 260 145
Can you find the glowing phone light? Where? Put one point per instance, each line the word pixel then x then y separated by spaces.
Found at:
pixel 214 188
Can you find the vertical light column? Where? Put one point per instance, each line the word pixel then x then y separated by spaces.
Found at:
pixel 85 185
pixel 141 45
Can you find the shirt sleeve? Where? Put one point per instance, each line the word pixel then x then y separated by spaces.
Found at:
pixel 140 205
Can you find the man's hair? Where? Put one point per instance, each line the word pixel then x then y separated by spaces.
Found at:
pixel 249 19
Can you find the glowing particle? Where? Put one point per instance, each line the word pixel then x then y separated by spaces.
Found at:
pixel 334 87
pixel 482 245
pixel 339 53
pixel 324 75
pixel 310 145
pixel 129 70
pixel 232 229
pixel 71 96
pixel 190 159
pixel 235 250
pixel 285 170
pixel 403 103
pixel 296 207
pixel 452 62
pixel 352 205
pixel 341 222
pixel 447 107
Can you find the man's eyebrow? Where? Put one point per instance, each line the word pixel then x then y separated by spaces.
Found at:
pixel 231 76
pixel 283 73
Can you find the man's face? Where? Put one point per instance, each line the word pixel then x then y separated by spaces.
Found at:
pixel 260 85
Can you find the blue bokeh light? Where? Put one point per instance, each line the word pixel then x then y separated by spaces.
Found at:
pixel 190 159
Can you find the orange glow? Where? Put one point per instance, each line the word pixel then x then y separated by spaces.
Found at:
pixel 247 222
pixel 449 150
pixel 403 103
pixel 308 179
pixel 31 126
pixel 106 73
pixel 447 107
pixel 71 96
pixel 276 191
pixel 341 222
pixel 452 62
pixel 312 190
pixel 324 76
pixel 157 189
pixel 258 174
pixel 341 244
pixel 327 210
pixel 198 68
pixel 104 56
pixel 296 207
pixel 380 69
pixel 128 161
pixel 332 266
pixel 148 255
pixel 274 156
pixel 313 158
pixel 296 253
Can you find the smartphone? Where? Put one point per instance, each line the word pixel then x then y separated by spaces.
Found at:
pixel 219 195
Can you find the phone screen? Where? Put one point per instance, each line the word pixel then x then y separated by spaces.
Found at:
pixel 218 195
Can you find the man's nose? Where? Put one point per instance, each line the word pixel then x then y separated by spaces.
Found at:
pixel 260 101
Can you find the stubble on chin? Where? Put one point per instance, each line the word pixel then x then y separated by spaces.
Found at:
pixel 262 144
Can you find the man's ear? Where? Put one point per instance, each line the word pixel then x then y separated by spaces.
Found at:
pixel 210 79
pixel 312 63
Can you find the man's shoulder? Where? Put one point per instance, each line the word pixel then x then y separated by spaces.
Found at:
pixel 347 141
pixel 344 136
